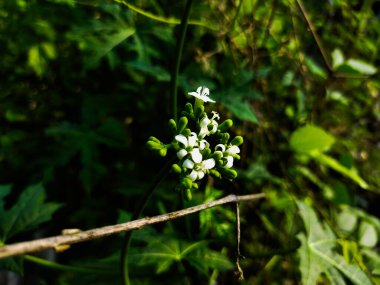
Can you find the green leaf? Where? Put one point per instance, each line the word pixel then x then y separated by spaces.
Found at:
pixel 310 138
pixel 29 211
pixel 242 110
pixel 361 66
pixel 337 58
pixel 367 235
pixel 334 164
pixel 315 69
pixel 318 251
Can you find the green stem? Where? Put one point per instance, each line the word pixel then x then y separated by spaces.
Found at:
pixel 180 43
pixel 55 265
pixel 139 208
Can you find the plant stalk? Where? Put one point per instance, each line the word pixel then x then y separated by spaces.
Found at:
pixel 179 49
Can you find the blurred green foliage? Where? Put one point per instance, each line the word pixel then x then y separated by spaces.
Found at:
pixel 85 83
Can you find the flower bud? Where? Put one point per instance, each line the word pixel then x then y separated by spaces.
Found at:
pixel 188 195
pixel 154 139
pixel 206 152
pixel 215 173
pixel 199 110
pixel 225 125
pixel 154 145
pixel 217 155
pixel 182 123
pixel 228 173
pixel 189 108
pixel 224 137
pixel 163 151
pixel 173 126
pixel 186 182
pixel 186 132
pixel 195 185
pixel 176 168
pixel 238 140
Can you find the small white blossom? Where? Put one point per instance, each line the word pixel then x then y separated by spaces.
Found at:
pixel 206 122
pixel 199 169
pixel 202 93
pixel 189 141
pixel 228 153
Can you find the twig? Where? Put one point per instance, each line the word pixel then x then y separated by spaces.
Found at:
pixel 240 272
pixel 62 240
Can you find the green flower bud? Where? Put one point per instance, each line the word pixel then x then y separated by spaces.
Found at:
pixel 163 151
pixel 189 108
pixel 173 126
pixel 225 125
pixel 195 185
pixel 186 132
pixel 154 139
pixel 238 140
pixel 182 123
pixel 228 173
pixel 199 111
pixel 236 156
pixel 215 173
pixel 217 155
pixel 154 145
pixel 223 138
pixel 188 195
pixel 206 152
pixel 186 182
pixel 176 168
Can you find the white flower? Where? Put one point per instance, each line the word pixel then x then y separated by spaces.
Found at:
pixel 189 141
pixel 230 162
pixel 206 122
pixel 202 93
pixel 199 169
pixel 196 155
pixel 233 149
pixel 228 153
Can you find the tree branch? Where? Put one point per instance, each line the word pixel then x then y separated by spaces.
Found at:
pixel 82 236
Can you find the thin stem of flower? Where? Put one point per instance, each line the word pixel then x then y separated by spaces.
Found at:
pixel 180 43
pixel 55 265
pixel 138 211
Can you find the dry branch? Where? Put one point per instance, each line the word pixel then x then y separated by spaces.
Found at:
pixel 63 240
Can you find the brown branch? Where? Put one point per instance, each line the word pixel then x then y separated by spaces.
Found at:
pixel 82 236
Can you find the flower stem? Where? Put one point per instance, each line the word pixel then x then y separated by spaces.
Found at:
pixel 139 208
pixel 179 49
pixel 55 265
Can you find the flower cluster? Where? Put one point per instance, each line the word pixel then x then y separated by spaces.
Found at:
pixel 202 145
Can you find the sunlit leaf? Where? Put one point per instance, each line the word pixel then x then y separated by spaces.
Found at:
pixel 367 235
pixel 334 164
pixel 310 138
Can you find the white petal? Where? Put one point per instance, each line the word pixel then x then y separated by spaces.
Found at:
pixel 208 163
pixel 205 91
pixel 192 139
pixel 234 149
pixel 204 122
pixel 203 144
pixel 203 132
pixel 214 127
pixel 182 139
pixel 188 164
pixel 196 155
pixel 199 89
pixel 207 99
pixel 181 153
pixel 215 115
pixel 193 175
pixel 200 174
pixel 221 146
pixel 230 162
